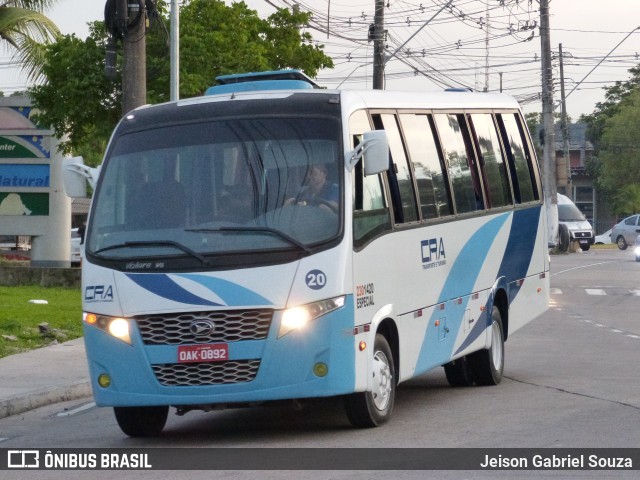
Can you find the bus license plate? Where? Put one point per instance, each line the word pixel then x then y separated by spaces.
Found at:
pixel 203 353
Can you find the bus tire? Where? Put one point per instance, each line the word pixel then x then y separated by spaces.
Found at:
pixel 141 421
pixel 372 409
pixel 487 365
pixel 458 372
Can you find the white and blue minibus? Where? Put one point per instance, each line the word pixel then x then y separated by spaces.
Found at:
pixel 256 245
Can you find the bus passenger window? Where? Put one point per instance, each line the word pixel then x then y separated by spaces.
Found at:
pixel 428 170
pixel 493 164
pixel 467 192
pixel 404 194
pixel 519 158
pixel 371 215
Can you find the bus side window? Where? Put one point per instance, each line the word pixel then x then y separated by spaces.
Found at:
pixel 370 212
pixel 492 162
pixel 431 176
pixel 522 173
pixel 400 179
pixel 455 141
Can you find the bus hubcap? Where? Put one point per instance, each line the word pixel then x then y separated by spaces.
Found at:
pixel 381 381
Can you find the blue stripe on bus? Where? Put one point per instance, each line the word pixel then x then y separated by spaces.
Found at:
pixel 459 283
pixel 231 293
pixel 514 266
pixel 467 266
pixel 522 238
pixel 161 285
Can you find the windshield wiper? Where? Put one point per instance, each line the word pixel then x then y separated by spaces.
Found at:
pixel 272 231
pixel 156 243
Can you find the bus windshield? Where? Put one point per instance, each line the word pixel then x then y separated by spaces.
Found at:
pixel 219 187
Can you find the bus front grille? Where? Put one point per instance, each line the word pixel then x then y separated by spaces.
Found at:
pixel 228 326
pixel 201 374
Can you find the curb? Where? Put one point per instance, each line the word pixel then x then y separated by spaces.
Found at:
pixel 40 398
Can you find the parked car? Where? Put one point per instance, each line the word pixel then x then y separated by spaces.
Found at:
pixel 604 238
pixel 624 233
pixel 76 254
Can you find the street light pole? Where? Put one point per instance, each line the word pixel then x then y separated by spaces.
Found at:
pixel 174 89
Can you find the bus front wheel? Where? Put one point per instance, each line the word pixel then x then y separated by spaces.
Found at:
pixel 141 421
pixel 487 365
pixel 372 409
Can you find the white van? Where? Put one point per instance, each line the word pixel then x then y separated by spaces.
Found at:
pixel 577 225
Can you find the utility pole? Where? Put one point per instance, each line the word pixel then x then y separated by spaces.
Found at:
pixel 564 177
pixel 548 160
pixel 134 70
pixel 378 46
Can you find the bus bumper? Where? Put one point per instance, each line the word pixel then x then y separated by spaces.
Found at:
pixel 317 361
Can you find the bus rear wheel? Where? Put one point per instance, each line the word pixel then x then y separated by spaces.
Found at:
pixel 372 409
pixel 487 365
pixel 458 372
pixel 141 421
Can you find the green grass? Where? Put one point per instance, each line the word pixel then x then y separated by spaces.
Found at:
pixel 19 319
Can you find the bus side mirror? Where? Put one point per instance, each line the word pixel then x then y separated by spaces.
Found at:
pixel 374 150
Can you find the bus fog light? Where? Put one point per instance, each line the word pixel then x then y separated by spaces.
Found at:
pixel 320 369
pixel 104 380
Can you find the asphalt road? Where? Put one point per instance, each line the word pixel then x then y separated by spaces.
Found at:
pixel 571 381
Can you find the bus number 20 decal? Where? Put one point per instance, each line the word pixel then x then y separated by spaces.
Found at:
pixel 316 279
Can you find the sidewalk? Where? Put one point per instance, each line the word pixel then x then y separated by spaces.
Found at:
pixel 43 376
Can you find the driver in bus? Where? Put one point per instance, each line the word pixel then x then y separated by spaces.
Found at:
pixel 317 190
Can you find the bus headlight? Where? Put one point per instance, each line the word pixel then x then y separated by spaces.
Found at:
pixel 114 326
pixel 297 317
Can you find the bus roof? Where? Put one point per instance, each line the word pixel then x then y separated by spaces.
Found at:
pixel 354 99
pixel 257 81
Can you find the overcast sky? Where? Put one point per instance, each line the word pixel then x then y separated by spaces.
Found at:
pixel 453 44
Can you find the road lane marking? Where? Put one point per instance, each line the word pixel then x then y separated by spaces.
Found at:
pixel 81 408
pixel 595 291
pixel 582 266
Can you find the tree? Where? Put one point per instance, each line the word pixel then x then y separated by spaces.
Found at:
pixel 25 28
pixel 614 95
pixel 83 107
pixel 219 39
pixel 619 154
pixel 78 101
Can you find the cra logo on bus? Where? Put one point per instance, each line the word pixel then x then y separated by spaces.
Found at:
pixel 98 293
pixel 433 254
